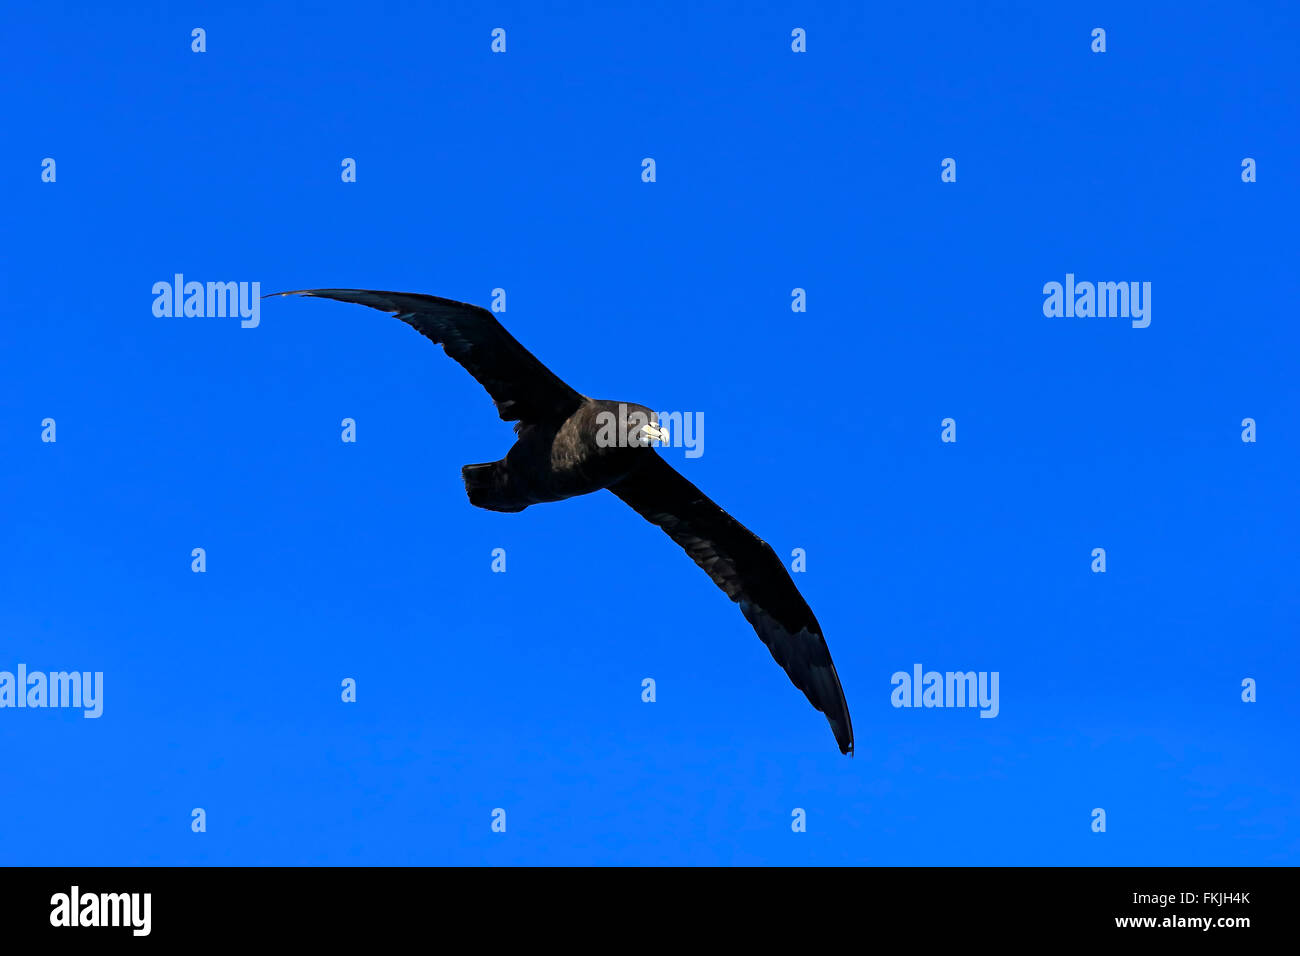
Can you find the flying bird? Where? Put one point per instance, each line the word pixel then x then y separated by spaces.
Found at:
pixel 568 444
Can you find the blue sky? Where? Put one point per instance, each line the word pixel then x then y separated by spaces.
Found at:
pixel 775 170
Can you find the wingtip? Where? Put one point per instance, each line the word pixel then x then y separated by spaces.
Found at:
pixel 843 740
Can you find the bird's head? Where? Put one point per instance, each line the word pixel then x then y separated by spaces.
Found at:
pixel 625 425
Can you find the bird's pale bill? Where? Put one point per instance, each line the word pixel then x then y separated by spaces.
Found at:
pixel 654 433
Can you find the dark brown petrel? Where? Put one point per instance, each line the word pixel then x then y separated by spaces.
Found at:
pixel 570 445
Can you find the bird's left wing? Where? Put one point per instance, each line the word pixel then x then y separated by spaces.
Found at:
pixel 746 568
pixel 523 388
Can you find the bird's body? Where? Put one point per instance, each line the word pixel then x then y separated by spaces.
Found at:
pixel 568 444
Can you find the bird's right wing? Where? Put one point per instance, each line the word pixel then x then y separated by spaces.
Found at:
pixel 523 388
pixel 748 571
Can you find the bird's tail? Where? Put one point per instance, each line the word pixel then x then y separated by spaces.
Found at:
pixel 486 486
